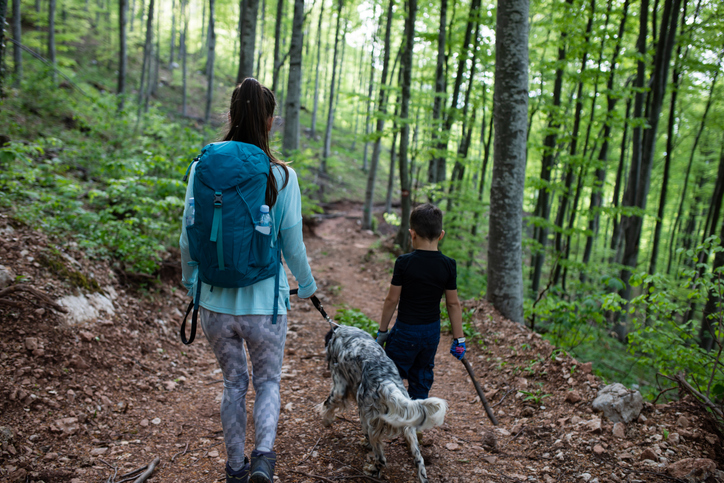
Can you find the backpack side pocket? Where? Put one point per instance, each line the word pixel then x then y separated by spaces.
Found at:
pixel 260 252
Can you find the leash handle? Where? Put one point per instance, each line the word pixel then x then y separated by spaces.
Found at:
pixel 317 305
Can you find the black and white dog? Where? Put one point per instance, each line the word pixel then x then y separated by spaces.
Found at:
pixel 362 372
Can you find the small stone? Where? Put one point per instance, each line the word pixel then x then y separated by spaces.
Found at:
pixel 213 454
pixel 576 419
pixel 98 451
pixel 452 446
pixel 642 419
pixel 106 401
pixel 144 422
pixel 585 476
pixel 31 343
pixel 156 421
pixel 594 425
pixel 86 336
pixel 50 456
pixel 619 430
pixel 699 468
pixel 6 434
pixel 527 412
pixel 68 426
pixel 288 407
pixel 674 438
pixel 682 422
pixel 170 385
pixel 598 449
pixel 490 459
pixel 489 440
pixel 648 454
pixel 586 368
pixel 573 397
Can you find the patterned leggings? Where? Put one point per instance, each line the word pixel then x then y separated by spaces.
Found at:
pixel 265 341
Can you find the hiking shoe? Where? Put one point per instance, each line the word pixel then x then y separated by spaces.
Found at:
pixel 262 466
pixel 239 476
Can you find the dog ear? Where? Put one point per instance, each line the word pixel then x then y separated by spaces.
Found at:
pixel 328 337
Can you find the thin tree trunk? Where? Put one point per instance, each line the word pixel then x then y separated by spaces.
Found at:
pixel 368 109
pixel 505 257
pixel 3 16
pixel 156 62
pixel 313 127
pixel 262 17
pixel 122 52
pixel 17 36
pixel 432 170
pixel 640 182
pixel 51 39
pixel 617 229
pixel 210 62
pixel 702 125
pixel 277 44
pixel 403 236
pixel 294 85
pixel 573 151
pixel 451 115
pixel 132 15
pixel 379 128
pixel 340 78
pixel 148 46
pixel 172 47
pixel 549 154
pixel 330 111
pixel 184 58
pixel 247 23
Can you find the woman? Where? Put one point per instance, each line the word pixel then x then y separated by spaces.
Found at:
pixel 230 316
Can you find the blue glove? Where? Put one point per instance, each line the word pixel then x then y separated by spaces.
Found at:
pixel 382 336
pixel 457 348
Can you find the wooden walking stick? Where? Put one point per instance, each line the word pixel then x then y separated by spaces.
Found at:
pixel 488 411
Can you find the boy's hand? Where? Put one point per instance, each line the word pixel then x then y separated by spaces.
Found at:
pixel 382 336
pixel 457 348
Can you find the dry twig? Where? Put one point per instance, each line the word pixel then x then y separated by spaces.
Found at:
pixel 42 297
pixel 180 453
pixel 147 474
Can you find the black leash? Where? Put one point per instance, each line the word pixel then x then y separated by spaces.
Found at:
pixel 317 305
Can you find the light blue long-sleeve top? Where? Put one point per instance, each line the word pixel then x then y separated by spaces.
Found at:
pixel 258 299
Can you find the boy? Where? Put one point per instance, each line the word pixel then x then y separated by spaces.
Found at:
pixel 418 283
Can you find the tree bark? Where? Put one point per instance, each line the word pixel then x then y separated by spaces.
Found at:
pixel 294 83
pixel 172 46
pixel 549 148
pixel 210 62
pixel 332 85
pixel 368 108
pixel 3 15
pixel 615 201
pixel 17 36
pixel 313 127
pixel 247 23
pixel 403 236
pixel 122 52
pixel 379 128
pixel 505 256
pixel 440 71
pixel 147 47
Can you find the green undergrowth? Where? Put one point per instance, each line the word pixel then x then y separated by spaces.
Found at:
pixel 356 318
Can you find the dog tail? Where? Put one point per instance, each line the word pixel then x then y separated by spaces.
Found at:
pixel 420 414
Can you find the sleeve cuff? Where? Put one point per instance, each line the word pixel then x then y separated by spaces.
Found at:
pixel 306 291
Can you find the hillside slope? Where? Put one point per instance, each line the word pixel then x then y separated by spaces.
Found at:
pixel 94 400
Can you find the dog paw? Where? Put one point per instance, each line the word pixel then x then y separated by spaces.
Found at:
pixel 327 422
pixel 370 469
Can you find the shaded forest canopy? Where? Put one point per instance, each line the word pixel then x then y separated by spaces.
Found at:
pixel 105 103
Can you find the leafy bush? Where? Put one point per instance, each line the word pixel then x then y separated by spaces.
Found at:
pixel 355 318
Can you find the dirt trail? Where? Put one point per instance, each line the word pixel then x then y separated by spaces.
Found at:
pixel 82 403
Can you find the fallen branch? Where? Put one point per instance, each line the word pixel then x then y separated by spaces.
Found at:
pixel 310 453
pixel 681 380
pixel 180 453
pixel 42 297
pixel 147 474
pixel 215 381
pixel 502 398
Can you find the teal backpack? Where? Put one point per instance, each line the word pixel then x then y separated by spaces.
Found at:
pixel 229 188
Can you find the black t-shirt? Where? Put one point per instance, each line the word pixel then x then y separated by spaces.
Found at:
pixel 424 276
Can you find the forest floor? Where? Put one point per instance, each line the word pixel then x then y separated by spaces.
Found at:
pixel 92 402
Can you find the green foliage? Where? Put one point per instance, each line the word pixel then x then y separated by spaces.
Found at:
pixel 469 329
pixel 356 318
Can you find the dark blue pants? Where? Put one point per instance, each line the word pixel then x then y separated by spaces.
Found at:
pixel 412 348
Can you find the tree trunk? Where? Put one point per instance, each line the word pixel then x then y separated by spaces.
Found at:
pixel 617 229
pixel 379 128
pixel 368 108
pixel 432 171
pixel 122 52
pixel 332 84
pixel 210 62
pixel 549 147
pixel 450 117
pixel 712 316
pixel 699 132
pixel 17 36
pixel 247 23
pixel 156 62
pixel 340 77
pixel 572 151
pixel 132 15
pixel 611 100
pixel 277 44
pixel 676 82
pixel 259 69
pixel 505 257
pixel 148 46
pixel 172 47
pixel 3 16
pixel 51 39
pixel 313 127
pixel 640 178
pixel 294 84
pixel 184 58
pixel 403 236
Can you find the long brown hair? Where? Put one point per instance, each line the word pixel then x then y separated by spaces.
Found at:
pixel 252 105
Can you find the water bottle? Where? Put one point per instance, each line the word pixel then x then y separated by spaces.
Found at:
pixel 190 212
pixel 265 221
